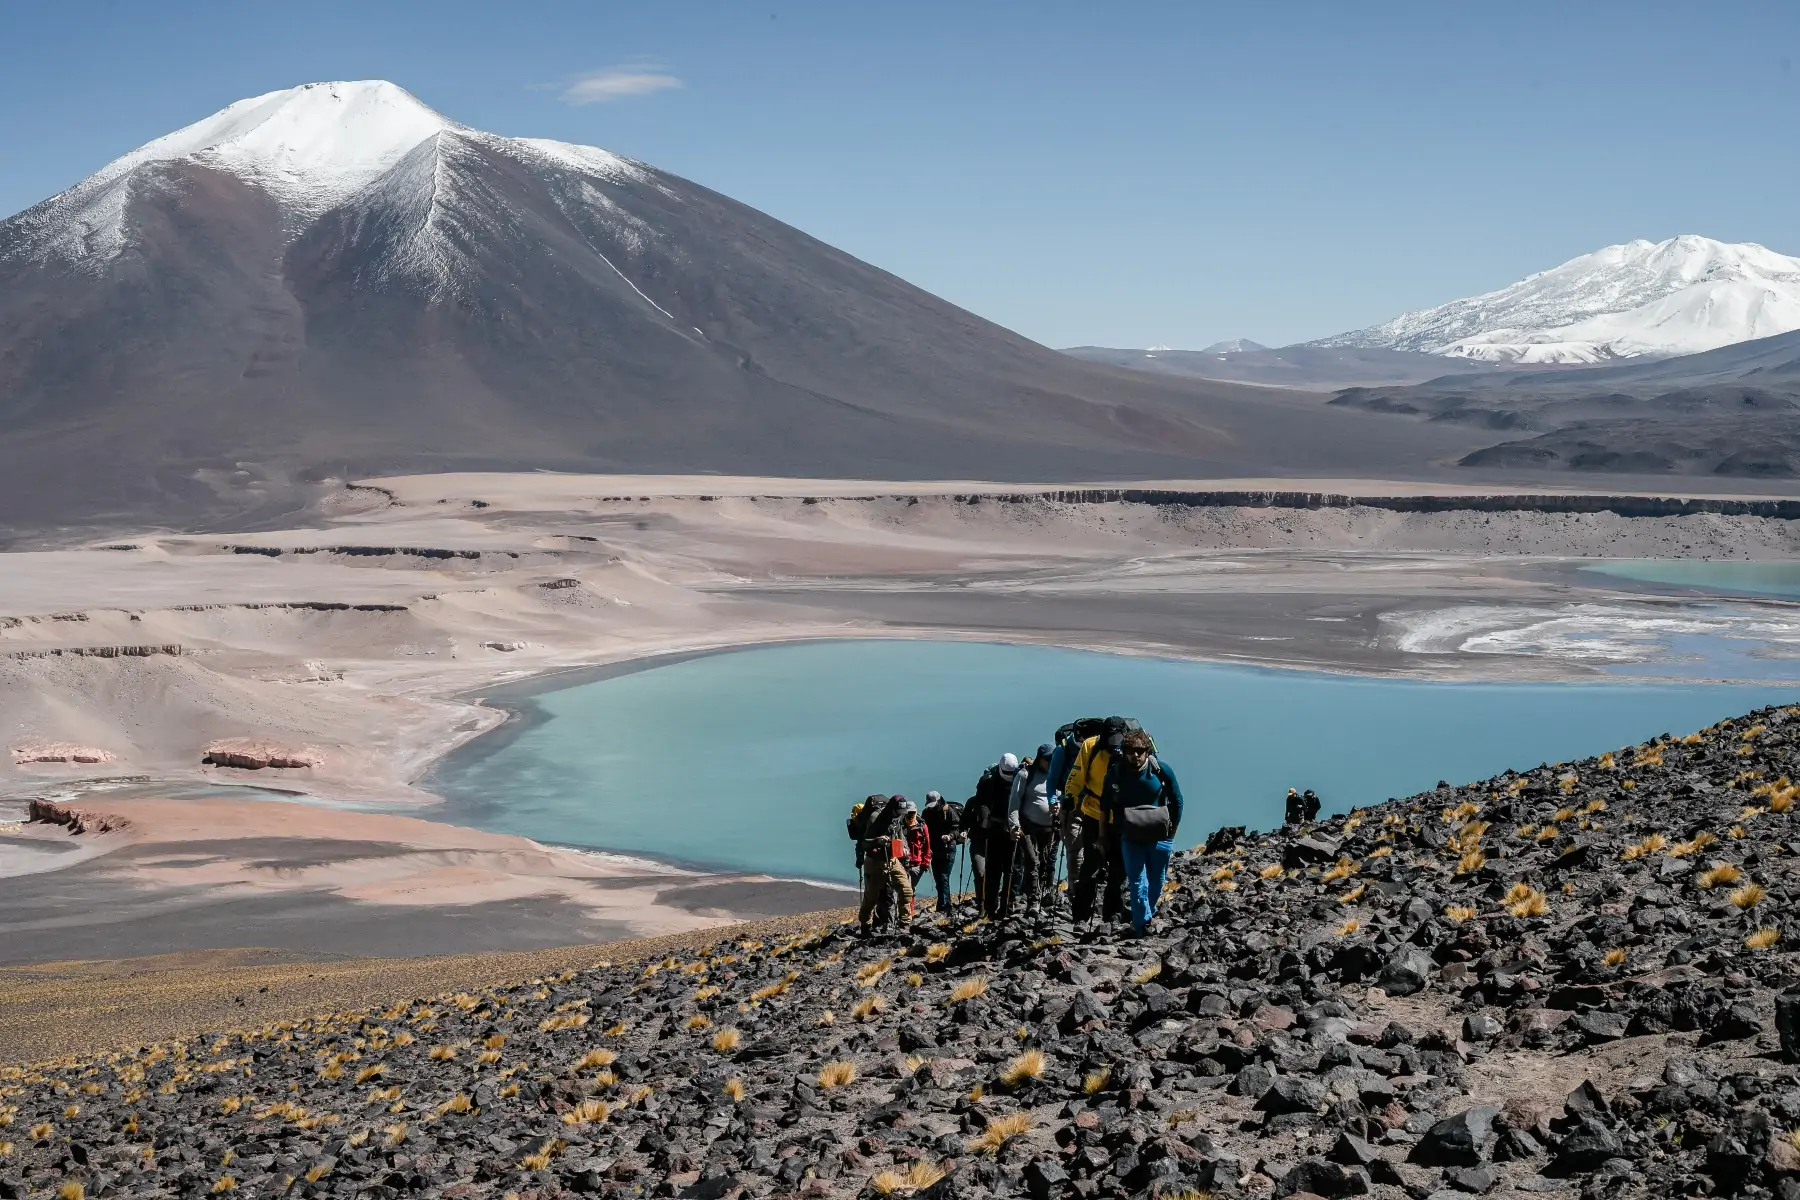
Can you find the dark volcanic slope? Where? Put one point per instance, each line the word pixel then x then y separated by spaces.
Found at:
pixel 1577 979
pixel 1734 411
pixel 495 303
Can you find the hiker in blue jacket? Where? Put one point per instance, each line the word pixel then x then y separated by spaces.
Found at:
pixel 1144 804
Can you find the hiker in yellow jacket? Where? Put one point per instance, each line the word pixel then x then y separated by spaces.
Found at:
pixel 1102 861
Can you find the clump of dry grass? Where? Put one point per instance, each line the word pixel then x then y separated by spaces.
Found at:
pixel 1456 914
pixel 1000 1131
pixel 1272 871
pixel 1342 869
pixel 1354 894
pixel 1147 972
pixel 442 1053
pixel 223 1183
pixel 1762 939
pixel 1749 896
pixel 937 952
pixel 394 1135
pixel 1653 844
pixel 1718 875
pixel 1525 901
pixel 726 1041
pixel 868 1006
pixel 593 1059
pixel 837 1073
pixel 969 989
pixel 869 974
pixel 699 1021
pixel 1349 927
pixel 1471 861
pixel 1614 957
pixel 1029 1065
pixel 734 1088
pixel 1096 1081
pixel 588 1112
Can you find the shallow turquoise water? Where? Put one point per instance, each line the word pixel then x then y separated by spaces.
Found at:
pixel 751 759
pixel 1749 578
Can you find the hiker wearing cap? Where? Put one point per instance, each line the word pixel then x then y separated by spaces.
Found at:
pixel 1143 802
pixel 990 850
pixel 882 842
pixel 943 824
pixel 1031 826
pixel 918 848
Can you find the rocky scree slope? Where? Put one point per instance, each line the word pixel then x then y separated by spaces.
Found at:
pixel 1572 979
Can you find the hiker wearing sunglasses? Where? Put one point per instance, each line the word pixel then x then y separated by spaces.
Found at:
pixel 1144 805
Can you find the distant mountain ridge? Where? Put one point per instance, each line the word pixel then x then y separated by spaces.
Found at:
pixel 1685 295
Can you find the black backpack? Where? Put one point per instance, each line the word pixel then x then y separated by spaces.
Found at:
pixel 1080 730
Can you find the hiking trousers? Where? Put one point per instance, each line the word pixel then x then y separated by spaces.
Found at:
pixel 995 902
pixel 943 867
pixel 1034 865
pixel 1146 865
pixel 1102 871
pixel 885 876
pixel 1071 837
pixel 978 865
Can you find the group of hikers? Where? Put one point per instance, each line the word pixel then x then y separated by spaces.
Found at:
pixel 1097 796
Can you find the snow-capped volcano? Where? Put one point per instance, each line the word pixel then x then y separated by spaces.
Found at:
pixel 1681 296
pixel 337 279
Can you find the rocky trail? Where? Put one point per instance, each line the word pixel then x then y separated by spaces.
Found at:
pixel 1578 979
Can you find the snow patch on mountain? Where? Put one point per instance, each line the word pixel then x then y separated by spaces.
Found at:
pixel 312 149
pixel 1680 296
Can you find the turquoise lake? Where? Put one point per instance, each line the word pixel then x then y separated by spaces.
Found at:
pixel 750 760
pixel 1780 578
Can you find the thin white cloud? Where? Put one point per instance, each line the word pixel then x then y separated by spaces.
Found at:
pixel 614 83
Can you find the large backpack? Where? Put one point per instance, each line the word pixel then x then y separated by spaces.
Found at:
pixel 1080 730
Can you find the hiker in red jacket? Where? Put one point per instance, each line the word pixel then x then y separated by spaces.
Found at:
pixel 918 847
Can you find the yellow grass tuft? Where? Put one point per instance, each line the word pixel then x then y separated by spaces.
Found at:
pixel 706 993
pixel 1532 904
pixel 1474 860
pixel 383 1095
pixel 914 979
pixel 1342 869
pixel 726 1041
pixel 442 1053
pixel 886 1182
pixel 1349 927
pixel 937 952
pixel 1029 1065
pixel 1096 1081
pixel 734 1087
pixel 869 1006
pixel 40 1131
pixel 394 1135
pixel 1693 845
pixel 1717 875
pixel 837 1073
pixel 72 1190
pixel 316 1173
pixel 1614 957
pixel 588 1112
pixel 699 1021
pixel 869 974
pixel 1749 896
pixel 593 1059
pixel 539 1160
pixel 231 1104
pixel 404 1038
pixel 488 1058
pixel 368 1073
pixel 1354 894
pixel 1147 972
pixel 969 989
pixel 224 1183
pixel 826 1018
pixel 1762 939
pixel 1000 1131
pixel 459 1103
pixel 1272 871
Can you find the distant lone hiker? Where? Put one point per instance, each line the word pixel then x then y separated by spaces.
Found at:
pixel 1144 804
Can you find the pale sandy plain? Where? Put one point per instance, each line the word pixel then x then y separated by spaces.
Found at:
pixel 360 639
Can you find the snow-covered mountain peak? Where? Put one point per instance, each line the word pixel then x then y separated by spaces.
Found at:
pixel 1683 295
pixel 311 145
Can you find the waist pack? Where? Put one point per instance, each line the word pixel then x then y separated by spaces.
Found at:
pixel 1143 824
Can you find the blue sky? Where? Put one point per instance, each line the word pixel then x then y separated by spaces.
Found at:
pixel 1120 174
